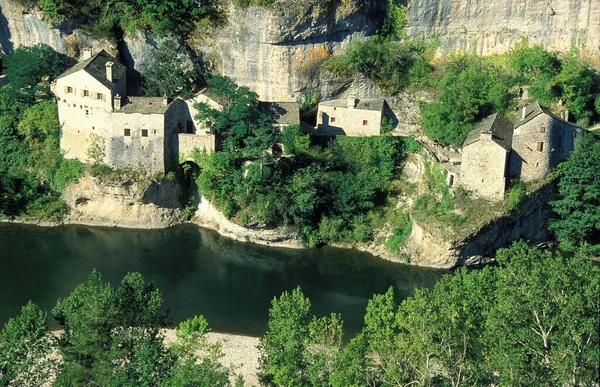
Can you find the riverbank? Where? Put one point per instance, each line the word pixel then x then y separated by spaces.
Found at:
pixel 240 353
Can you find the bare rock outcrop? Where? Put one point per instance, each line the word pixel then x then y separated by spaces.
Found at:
pixel 488 27
pixel 208 216
pixel 128 204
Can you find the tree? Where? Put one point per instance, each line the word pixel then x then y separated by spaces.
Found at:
pixel 88 315
pixel 242 124
pixel 543 328
pixel 30 70
pixel 170 73
pixel 578 205
pixel 26 346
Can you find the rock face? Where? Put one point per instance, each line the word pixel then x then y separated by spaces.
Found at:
pixel 129 205
pixel 493 26
pixel 529 224
pixel 208 216
pixel 275 52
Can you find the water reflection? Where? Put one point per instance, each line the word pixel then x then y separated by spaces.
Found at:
pixel 198 271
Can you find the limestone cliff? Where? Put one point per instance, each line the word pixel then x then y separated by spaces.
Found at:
pixel 529 224
pixel 493 26
pixel 140 204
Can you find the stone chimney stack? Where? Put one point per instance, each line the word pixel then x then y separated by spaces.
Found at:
pixel 117 102
pixel 109 71
pixel 352 102
pixel 167 100
pixel 523 112
pixel 87 54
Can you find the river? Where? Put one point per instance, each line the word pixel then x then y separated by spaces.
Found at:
pixel 199 272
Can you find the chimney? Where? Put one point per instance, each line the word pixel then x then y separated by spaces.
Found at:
pixel 352 102
pixel 87 54
pixel 167 100
pixel 109 73
pixel 117 102
pixel 523 112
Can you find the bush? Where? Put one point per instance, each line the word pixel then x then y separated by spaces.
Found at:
pixel 400 233
pixel 69 171
pixel 515 195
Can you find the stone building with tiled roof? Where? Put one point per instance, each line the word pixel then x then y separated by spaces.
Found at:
pixel 350 117
pixel 498 150
pixel 146 133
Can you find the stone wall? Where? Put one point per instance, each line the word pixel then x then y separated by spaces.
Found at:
pixel 333 120
pixel 186 143
pixel 527 162
pixel 488 27
pixel 135 151
pixel 483 169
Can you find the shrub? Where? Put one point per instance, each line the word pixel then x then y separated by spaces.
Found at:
pixel 69 171
pixel 515 195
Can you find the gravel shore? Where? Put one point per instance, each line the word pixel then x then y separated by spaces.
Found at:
pixel 239 352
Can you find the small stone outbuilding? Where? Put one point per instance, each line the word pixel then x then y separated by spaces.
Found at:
pixel 350 117
pixel 485 158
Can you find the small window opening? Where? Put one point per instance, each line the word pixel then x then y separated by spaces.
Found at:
pixel 86 93
pixel 189 127
pixel 144 132
pixel 100 96
pixel 542 129
pixel 365 122
pixel 332 119
pixel 127 132
pixel 87 112
pixel 540 146
pixel 69 89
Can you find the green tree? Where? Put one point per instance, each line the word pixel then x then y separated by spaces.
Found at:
pixel 242 124
pixel 31 69
pixel 543 328
pixel 578 205
pixel 170 73
pixel 26 346
pixel 88 315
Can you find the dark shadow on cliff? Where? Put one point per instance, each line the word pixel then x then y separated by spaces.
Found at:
pixel 5 42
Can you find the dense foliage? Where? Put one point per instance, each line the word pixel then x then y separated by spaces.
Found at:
pixel 110 19
pixel 330 193
pixel 111 337
pixel 169 74
pixel 531 320
pixel 392 65
pixel 578 205
pixel 471 88
pixel 32 167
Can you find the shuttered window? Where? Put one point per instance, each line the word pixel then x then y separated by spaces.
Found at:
pixel 540 146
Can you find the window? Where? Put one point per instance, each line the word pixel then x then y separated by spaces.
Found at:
pixel 540 146
pixel 365 122
pixel 542 129
pixel 87 112
pixel 86 93
pixel 332 119
pixel 189 127
pixel 100 96
pixel 127 132
pixel 68 89
pixel 144 132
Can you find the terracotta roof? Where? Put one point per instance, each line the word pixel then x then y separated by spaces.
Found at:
pixel 282 113
pixel 96 67
pixel 375 104
pixel 145 105
pixel 500 127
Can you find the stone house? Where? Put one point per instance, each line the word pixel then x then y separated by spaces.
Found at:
pixel 485 158
pixel 498 151
pixel 541 141
pixel 146 133
pixel 351 117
